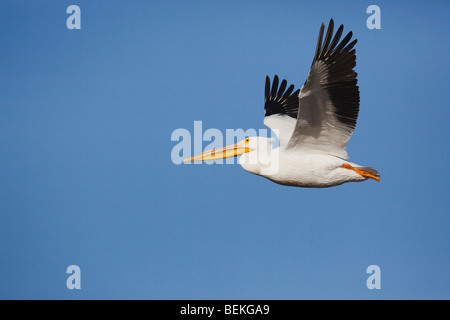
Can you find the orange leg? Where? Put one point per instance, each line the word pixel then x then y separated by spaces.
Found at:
pixel 363 171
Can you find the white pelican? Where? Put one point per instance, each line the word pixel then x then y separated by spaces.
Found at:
pixel 313 124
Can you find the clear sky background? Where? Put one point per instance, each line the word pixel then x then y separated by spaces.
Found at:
pixel 86 177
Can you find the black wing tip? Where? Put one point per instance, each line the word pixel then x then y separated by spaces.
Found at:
pixel 279 100
pixel 332 43
pixel 339 56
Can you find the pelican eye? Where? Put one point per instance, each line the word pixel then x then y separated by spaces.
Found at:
pixel 247 140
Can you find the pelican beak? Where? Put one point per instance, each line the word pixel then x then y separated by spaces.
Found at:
pixel 225 152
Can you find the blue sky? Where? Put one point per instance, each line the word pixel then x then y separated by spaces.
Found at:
pixel 86 176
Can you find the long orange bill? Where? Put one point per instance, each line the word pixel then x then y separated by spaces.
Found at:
pixel 225 152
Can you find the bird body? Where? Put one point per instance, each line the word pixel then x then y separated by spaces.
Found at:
pixel 312 171
pixel 313 124
pixel 292 168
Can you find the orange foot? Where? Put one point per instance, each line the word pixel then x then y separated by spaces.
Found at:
pixel 364 171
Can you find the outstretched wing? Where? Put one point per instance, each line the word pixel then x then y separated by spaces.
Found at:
pixel 329 99
pixel 281 108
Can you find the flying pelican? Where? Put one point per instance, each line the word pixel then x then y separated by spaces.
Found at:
pixel 313 124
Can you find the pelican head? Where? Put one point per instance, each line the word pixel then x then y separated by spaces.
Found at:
pixel 262 159
pixel 257 153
